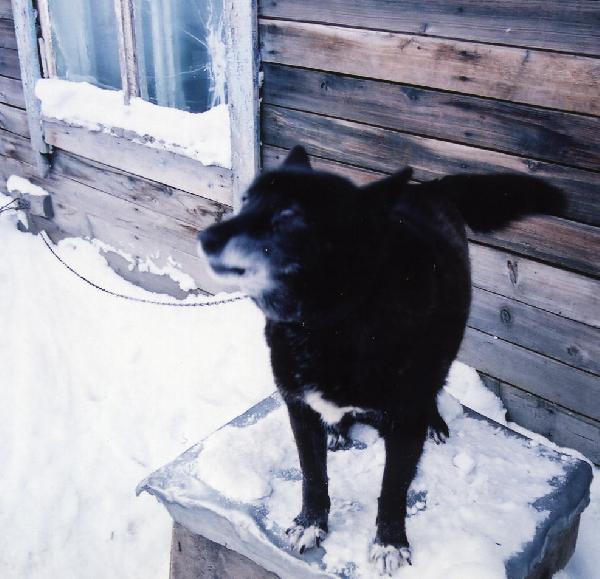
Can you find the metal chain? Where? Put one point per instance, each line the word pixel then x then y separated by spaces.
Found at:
pixel 8 207
pixel 140 300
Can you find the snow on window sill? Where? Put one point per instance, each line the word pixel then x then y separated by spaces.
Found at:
pixel 204 137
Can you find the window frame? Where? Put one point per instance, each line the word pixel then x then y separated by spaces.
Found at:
pixel 241 38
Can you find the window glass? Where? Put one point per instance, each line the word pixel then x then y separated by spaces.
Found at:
pixel 181 53
pixel 85 41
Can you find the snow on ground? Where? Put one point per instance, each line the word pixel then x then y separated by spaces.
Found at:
pixel 97 392
pixel 201 136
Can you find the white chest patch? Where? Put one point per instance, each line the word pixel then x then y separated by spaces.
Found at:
pixel 330 412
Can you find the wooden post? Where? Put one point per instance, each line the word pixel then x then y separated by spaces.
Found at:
pixel 241 24
pixel 127 48
pixel 29 61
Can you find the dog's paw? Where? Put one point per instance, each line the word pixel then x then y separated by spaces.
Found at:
pixel 388 559
pixel 439 436
pixel 301 538
pixel 337 441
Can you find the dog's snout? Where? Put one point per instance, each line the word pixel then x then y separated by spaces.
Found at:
pixel 211 241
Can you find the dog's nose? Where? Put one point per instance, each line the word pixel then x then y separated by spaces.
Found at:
pixel 210 240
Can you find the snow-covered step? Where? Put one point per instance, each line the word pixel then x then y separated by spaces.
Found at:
pixel 489 503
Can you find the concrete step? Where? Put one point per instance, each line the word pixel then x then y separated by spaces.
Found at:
pixel 489 499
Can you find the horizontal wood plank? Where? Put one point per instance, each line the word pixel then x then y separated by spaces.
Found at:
pixel 11 92
pixel 186 207
pixel 560 242
pixel 567 341
pixel 386 151
pixel 162 166
pixel 16 147
pixel 565 293
pixel 272 157
pixel 6 9
pixel 9 63
pixel 562 426
pixel 576 390
pixel 7 34
pixel 510 127
pixel 547 79
pixel 570 26
pixel 14 120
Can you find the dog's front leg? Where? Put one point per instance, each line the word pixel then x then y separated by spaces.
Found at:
pixel 310 526
pixel 403 451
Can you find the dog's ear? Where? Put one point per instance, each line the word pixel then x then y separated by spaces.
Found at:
pixel 297 157
pixel 392 184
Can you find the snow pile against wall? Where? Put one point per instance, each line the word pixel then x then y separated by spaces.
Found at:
pixel 201 136
pixel 21 185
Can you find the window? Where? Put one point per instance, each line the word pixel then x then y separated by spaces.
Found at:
pixel 173 49
pixel 195 56
pixel 85 41
pixel 180 50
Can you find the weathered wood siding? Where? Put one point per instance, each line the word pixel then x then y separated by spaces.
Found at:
pixel 451 86
pixel 135 200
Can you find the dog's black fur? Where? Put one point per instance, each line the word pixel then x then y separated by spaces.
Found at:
pixel 366 292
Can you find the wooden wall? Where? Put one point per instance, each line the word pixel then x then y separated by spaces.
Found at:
pixel 149 213
pixel 451 86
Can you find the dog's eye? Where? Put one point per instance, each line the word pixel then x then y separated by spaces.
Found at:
pixel 287 219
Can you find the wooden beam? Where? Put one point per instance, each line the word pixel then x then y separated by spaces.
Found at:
pixel 565 293
pixel 9 63
pixel 16 147
pixel 156 164
pixel 562 426
pixel 14 120
pixel 6 9
pixel 537 374
pixel 7 34
pixel 29 59
pixel 572 26
pixel 513 128
pixel 511 74
pixel 567 341
pixel 386 151
pixel 127 48
pixel 11 92
pixel 241 33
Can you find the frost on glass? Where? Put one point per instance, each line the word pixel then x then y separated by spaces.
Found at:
pixel 181 53
pixel 86 42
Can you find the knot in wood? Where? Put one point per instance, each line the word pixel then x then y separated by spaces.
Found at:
pixel 505 315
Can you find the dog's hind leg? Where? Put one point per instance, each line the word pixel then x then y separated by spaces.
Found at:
pixel 403 449
pixel 438 429
pixel 310 526
pixel 338 437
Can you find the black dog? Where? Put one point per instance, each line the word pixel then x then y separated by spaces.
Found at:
pixel 366 292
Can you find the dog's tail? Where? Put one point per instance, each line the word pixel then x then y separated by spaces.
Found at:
pixel 488 202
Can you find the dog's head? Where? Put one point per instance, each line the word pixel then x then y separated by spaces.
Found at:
pixel 297 241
